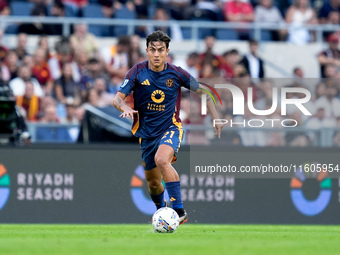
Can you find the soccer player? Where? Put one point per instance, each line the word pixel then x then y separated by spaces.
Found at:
pixel 156 86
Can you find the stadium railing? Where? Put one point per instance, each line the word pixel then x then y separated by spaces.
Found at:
pixel 68 133
pixel 194 27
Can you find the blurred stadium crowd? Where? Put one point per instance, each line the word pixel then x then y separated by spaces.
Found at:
pixel 54 83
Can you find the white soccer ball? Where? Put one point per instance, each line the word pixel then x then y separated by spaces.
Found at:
pixel 165 220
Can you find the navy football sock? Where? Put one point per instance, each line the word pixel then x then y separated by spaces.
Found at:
pixel 174 190
pixel 158 200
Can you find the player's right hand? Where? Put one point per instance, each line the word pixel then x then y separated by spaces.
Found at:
pixel 128 113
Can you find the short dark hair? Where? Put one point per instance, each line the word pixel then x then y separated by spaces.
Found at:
pixel 92 61
pixel 124 40
pixel 158 36
pixel 253 41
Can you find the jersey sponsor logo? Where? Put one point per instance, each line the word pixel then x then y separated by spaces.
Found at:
pixel 158 96
pixel 169 83
pixel 146 82
pixel 168 141
pixel 124 83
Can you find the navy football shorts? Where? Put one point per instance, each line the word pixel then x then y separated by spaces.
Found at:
pixel 172 137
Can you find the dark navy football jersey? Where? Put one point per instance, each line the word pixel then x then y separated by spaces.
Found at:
pixel 156 96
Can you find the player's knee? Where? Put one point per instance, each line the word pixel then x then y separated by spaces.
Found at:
pixel 161 161
pixel 154 183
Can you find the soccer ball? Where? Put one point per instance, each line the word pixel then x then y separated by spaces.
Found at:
pixel 165 220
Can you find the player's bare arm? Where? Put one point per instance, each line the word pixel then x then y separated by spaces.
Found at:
pixel 211 108
pixel 120 104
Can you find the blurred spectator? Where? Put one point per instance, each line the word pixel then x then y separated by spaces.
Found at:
pixel 4 72
pixel 184 113
pixel 328 7
pixel 29 102
pixel 104 98
pixel 249 137
pixel 28 61
pixel 299 79
pixel 76 5
pixel 265 95
pixel 333 19
pixel 50 114
pixel 135 53
pixel 64 55
pixel 141 7
pixel 18 84
pixel 298 72
pixel 329 102
pixel 238 11
pixel 204 10
pixel 41 71
pixel 169 58
pixel 319 120
pixel 244 82
pixel 174 30
pixel 108 9
pixel 252 62
pixel 196 136
pixel 43 44
pixel 66 89
pixel 298 15
pixel 230 60
pixel 20 50
pixel 209 57
pixel 190 64
pixel 336 138
pixel 239 70
pixel 94 69
pixel 71 115
pixel 331 72
pixel 297 138
pixel 81 59
pixel 82 39
pixel 330 55
pixel 4 8
pixel 266 12
pixel 92 98
pixel 3 49
pixel 208 70
pixel 57 10
pixel 320 90
pixel 117 61
pixel 174 7
pixel 35 28
pixel 11 63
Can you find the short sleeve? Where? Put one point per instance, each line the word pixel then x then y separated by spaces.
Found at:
pixel 128 84
pixel 189 81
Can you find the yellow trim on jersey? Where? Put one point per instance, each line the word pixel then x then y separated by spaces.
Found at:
pixel 135 128
pixel 179 126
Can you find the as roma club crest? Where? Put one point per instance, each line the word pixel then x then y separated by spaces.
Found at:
pixel 169 83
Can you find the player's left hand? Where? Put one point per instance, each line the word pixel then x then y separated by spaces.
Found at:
pixel 218 129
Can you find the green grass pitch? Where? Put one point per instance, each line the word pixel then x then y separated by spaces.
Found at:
pixel 188 239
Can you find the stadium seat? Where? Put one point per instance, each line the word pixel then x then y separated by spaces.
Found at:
pixel 226 34
pixel 69 11
pixel 186 32
pixel 123 13
pixel 19 8
pixel 11 29
pixel 95 11
pixel 151 11
pixel 266 35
